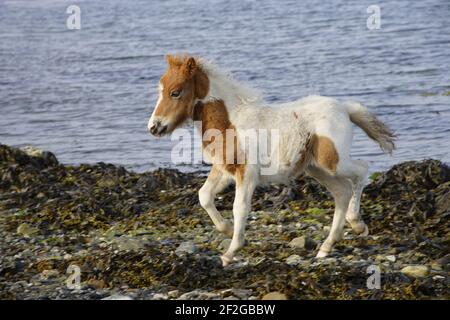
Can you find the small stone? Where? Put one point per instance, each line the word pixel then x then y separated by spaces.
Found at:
pixel 302 243
pixel 436 266
pixel 47 274
pixel 275 295
pixel 186 247
pixel 280 228
pixel 298 242
pixel 173 294
pixel 67 256
pixel 381 258
pixel 198 295
pixel 391 258
pixel 293 260
pixel 124 243
pixel 239 293
pixel 25 230
pixel 96 284
pixel 118 296
pixel 415 271
pixel 160 296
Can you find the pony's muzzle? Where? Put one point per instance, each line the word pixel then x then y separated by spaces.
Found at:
pixel 157 129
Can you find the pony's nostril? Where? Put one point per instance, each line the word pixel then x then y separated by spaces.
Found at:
pixel 153 129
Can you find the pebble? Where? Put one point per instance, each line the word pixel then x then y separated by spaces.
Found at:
pixel 275 295
pixel 293 260
pixel 96 284
pixel 25 230
pixel 416 271
pixel 239 293
pixel 160 296
pixel 198 295
pixel 391 258
pixel 118 296
pixel 47 274
pixel 436 266
pixel 302 243
pixel 125 243
pixel 186 247
pixel 298 242
pixel 173 294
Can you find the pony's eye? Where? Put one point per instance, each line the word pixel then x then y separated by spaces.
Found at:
pixel 175 93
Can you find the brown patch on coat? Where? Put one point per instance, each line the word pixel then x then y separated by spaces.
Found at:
pixel 324 152
pixel 295 115
pixel 214 115
pixel 305 157
pixel 186 75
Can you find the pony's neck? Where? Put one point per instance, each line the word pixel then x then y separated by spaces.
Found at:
pixel 223 87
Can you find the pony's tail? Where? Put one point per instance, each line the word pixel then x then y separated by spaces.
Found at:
pixel 372 126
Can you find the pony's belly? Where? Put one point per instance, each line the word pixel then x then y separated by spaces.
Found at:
pixel 282 175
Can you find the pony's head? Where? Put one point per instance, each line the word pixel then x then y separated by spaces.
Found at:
pixel 180 87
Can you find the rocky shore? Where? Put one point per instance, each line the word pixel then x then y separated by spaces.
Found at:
pixel 144 236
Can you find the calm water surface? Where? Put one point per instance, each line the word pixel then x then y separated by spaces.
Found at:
pixel 87 94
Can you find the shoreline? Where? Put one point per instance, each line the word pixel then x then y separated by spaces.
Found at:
pixel 144 235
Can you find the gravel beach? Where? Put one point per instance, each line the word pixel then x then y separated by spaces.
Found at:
pixel 145 236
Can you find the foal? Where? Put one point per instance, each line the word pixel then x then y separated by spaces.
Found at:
pixel 314 138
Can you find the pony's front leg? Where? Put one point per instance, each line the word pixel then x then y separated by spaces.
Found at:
pixel 214 184
pixel 241 207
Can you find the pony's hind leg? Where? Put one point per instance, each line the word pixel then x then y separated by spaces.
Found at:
pixel 215 183
pixel 356 171
pixel 341 190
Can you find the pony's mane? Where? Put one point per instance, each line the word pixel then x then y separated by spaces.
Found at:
pixel 228 84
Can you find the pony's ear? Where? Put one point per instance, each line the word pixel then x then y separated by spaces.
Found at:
pixel 169 59
pixel 190 66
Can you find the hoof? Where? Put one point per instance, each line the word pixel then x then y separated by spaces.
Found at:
pixel 361 229
pixel 226 261
pixel 365 233
pixel 322 254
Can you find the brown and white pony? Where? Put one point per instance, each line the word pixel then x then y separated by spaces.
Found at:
pixel 314 137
